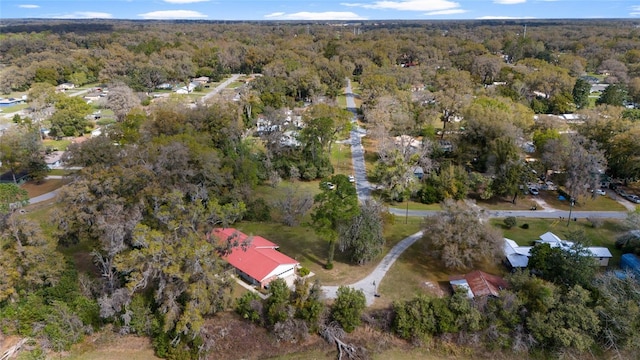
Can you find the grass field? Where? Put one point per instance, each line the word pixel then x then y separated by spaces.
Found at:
pixel 46 186
pixel 108 345
pixel 341 159
pixel 61 145
pixel 599 203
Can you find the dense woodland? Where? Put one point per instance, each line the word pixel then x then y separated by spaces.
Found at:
pixel 167 171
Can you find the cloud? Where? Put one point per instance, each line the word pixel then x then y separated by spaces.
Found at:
pixel 184 1
pixel 635 10
pixel 499 17
pixel 509 2
pixel 172 14
pixel 408 5
pixel 28 6
pixel 85 15
pixel 327 15
pixel 446 12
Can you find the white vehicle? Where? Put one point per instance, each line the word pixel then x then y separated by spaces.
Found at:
pixel 352 179
pixel 600 192
pixel 534 191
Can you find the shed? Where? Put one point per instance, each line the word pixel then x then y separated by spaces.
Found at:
pixel 478 283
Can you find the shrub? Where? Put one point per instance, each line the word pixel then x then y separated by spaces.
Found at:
pixel 596 222
pixel 328 266
pixel 525 226
pixel 303 271
pixel 249 306
pixel 510 221
pixel 348 308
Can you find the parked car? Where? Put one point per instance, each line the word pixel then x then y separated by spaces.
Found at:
pixel 352 179
pixel 621 192
pixel 330 186
pixel 599 192
pixel 533 191
pixel 634 198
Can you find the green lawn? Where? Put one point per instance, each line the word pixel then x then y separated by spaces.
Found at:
pixel 414 205
pixel 235 84
pixel 341 159
pixel 14 108
pixel 302 244
pixel 61 145
pixel 342 101
pixel 599 203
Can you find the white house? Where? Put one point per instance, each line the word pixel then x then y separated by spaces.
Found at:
pixel 518 256
pixel 54 160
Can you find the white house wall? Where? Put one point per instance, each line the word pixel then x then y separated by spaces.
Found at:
pixel 281 271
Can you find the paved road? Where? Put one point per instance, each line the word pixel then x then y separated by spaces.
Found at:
pixel 363 187
pixel 541 214
pixel 219 88
pixel 369 285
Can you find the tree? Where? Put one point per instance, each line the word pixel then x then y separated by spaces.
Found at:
pixel 459 237
pixel 348 307
pixel 175 259
pixel 334 204
pixel 361 236
pixel 584 167
pixel 568 267
pixel 277 308
pixel 307 301
pixel 98 150
pixel 581 91
pixel 70 117
pixel 121 100
pixel 12 196
pixel 569 324
pixel 583 163
pixel 21 151
pixel 293 205
pixel 323 123
pixel 28 261
pixel 614 94
pixel 624 154
pixel 618 311
pixel 454 93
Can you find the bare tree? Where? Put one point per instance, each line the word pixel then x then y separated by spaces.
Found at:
pixel 333 333
pixel 121 100
pixel 460 237
pixel 293 205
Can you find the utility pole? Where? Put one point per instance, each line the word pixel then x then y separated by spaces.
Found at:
pixel 571 203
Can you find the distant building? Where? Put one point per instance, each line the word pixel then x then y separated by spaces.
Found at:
pixel 54 160
pixel 478 283
pixel 518 256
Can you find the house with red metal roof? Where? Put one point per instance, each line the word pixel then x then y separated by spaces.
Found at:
pixel 478 283
pixel 260 262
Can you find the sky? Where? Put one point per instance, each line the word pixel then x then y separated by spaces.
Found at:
pixel 347 10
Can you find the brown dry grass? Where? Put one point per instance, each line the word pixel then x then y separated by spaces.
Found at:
pixel 107 345
pixel 34 189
